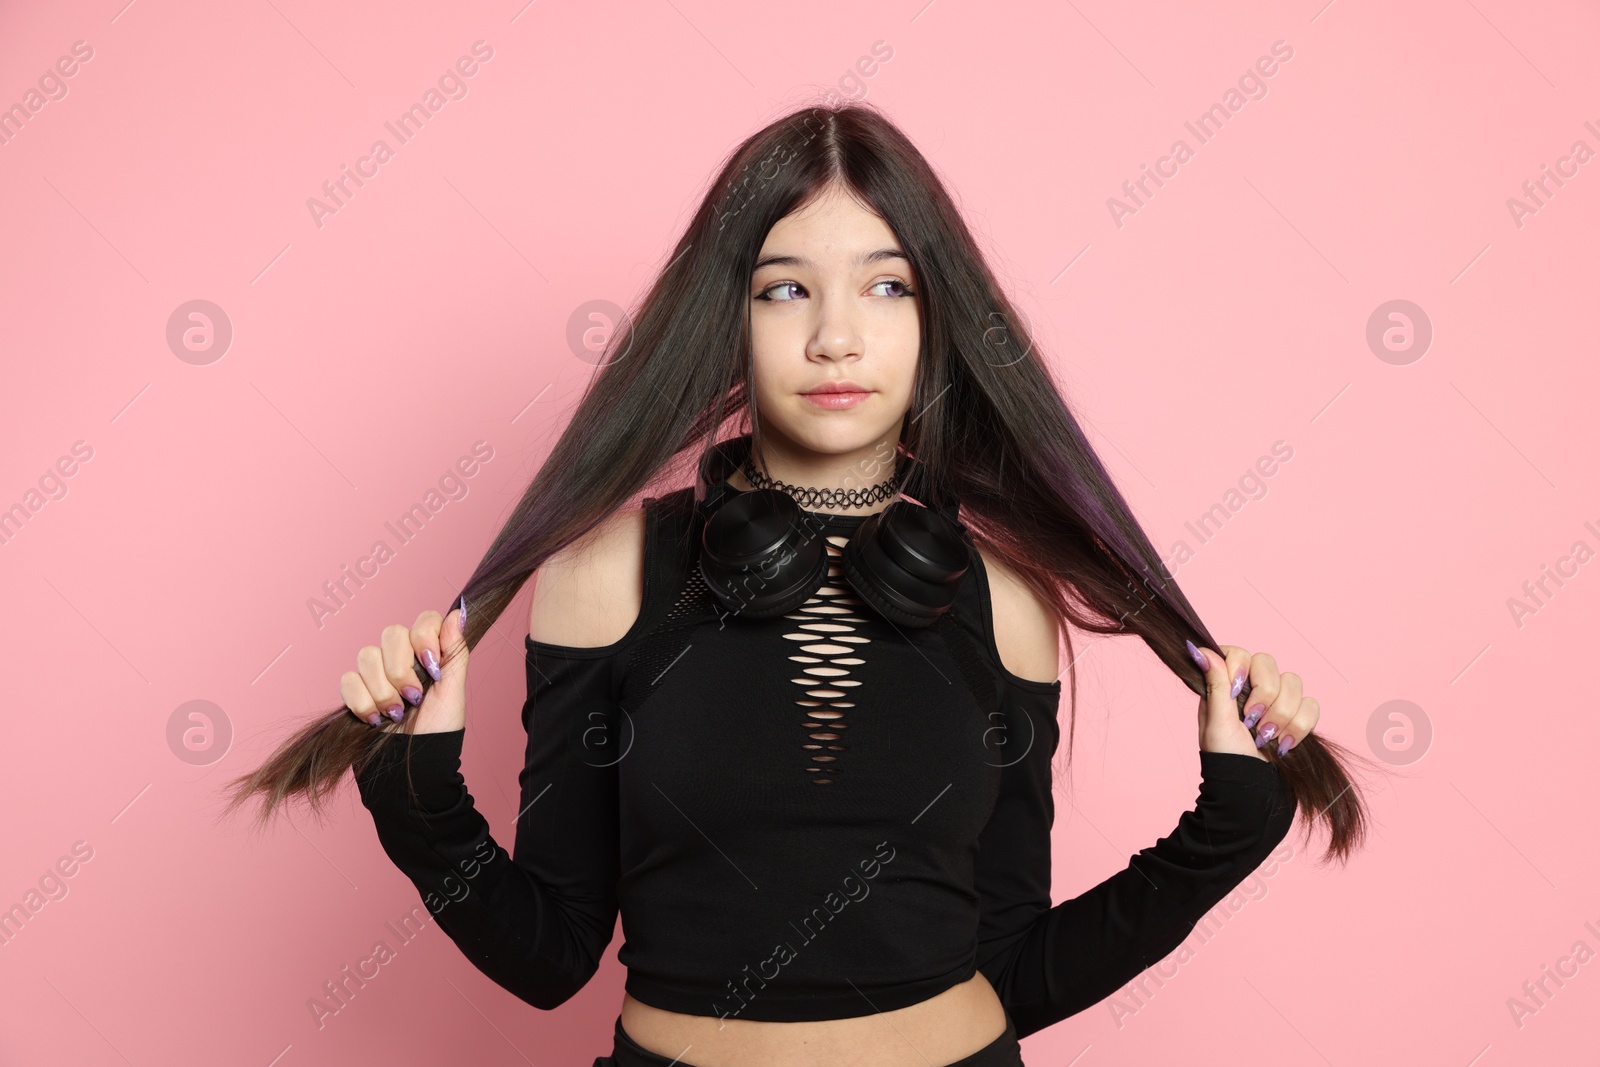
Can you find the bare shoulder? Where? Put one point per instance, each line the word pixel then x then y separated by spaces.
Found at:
pixel 1026 633
pixel 589 593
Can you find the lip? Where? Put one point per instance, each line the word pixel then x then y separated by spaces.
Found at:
pixel 837 395
pixel 842 385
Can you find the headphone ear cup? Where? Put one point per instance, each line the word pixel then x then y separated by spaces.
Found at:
pixel 907 562
pixel 756 556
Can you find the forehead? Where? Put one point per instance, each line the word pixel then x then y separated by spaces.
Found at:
pixel 833 228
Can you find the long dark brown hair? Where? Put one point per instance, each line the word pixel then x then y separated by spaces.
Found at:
pixel 986 420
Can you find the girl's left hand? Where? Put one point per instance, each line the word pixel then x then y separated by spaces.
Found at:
pixel 1278 712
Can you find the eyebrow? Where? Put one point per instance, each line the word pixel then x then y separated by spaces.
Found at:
pixel 865 259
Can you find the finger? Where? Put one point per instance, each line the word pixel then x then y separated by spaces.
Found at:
pixel 353 692
pixel 425 641
pixel 1304 721
pixel 1238 667
pixel 369 661
pixel 1281 710
pixel 1265 684
pixel 453 642
pixel 1218 684
pixel 398 660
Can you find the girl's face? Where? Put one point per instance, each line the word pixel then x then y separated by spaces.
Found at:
pixel 832 302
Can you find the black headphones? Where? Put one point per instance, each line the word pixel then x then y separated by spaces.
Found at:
pixel 762 556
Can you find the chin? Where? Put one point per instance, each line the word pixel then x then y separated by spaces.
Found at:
pixel 833 432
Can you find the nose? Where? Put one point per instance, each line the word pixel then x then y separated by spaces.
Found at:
pixel 837 336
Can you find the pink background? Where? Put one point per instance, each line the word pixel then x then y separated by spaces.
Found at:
pixel 431 312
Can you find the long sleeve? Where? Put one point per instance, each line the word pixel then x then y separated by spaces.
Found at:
pixel 537 921
pixel 1047 963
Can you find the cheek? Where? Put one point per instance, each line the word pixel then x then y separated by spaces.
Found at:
pixel 766 360
pixel 769 339
pixel 903 359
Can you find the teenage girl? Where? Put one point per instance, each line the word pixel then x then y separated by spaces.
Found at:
pixel 821 808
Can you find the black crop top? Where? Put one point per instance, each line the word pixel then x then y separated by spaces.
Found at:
pixel 817 816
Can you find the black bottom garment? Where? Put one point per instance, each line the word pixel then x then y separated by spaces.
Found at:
pixel 1003 1051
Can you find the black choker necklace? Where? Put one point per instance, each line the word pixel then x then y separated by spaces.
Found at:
pixel 810 496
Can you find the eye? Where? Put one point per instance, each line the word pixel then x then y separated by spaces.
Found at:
pixel 776 287
pixel 765 294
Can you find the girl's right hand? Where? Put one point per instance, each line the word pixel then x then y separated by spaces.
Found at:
pixel 385 683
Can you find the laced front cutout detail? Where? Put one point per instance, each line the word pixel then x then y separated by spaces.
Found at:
pixel 827 642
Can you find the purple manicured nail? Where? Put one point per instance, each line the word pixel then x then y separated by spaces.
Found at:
pixel 463 614
pixel 374 719
pixel 397 712
pixel 1238 683
pixel 1266 734
pixel 1286 744
pixel 431 662
pixel 1194 654
pixel 1253 716
pixel 412 694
